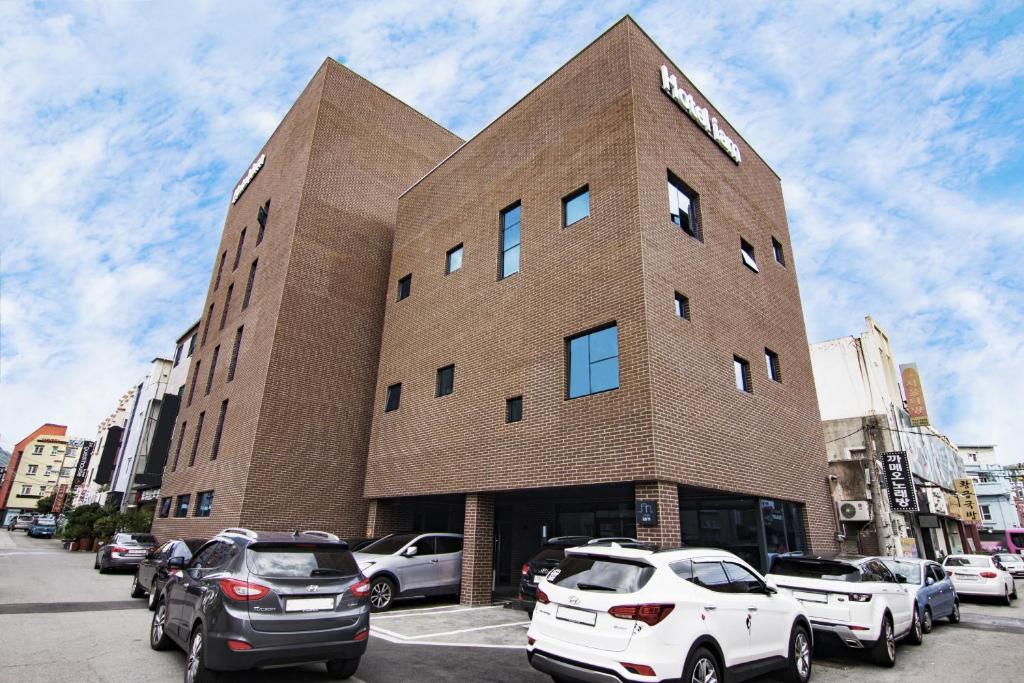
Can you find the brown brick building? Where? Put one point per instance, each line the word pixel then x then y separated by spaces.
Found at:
pixel 561 218
pixel 275 418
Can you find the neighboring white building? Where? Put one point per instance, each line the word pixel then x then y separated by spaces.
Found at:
pixel 108 441
pixel 996 488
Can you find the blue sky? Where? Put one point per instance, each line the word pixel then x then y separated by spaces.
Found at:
pixel 897 128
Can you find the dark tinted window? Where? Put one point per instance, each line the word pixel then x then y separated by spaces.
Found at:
pixel 446 380
pixel 712 576
pixel 405 287
pixel 194 544
pixel 215 555
pixel 780 256
pixel 682 206
pixel 552 554
pixel 448 544
pixel 873 570
pixel 742 579
pixel 389 544
pixel 514 409
pixel 936 572
pixel 272 560
pixel 682 306
pixel 683 569
pixel 181 510
pixel 394 398
pixel 425 546
pixel 809 568
pixel 601 574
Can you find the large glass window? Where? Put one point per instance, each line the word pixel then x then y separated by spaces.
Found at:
pixel 181 509
pixel 576 206
pixel 594 362
pixel 165 506
pixel 510 240
pixel 682 206
pixel 204 505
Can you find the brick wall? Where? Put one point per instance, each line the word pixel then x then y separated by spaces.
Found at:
pixel 478 540
pixel 667 533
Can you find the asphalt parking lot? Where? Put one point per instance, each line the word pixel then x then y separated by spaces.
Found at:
pixel 60 619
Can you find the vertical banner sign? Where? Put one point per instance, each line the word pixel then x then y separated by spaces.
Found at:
pixel 83 463
pixel 968 500
pixel 902 496
pixel 58 502
pixel 914 395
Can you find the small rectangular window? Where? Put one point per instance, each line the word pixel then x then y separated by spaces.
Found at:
pixel 510 240
pixel 780 255
pixel 191 345
pixel 195 441
pixel 227 305
pixel 213 369
pixel 220 269
pixel 219 431
pixel 771 359
pixel 177 451
pixel 248 285
pixel 394 398
pixel 261 218
pixel 576 206
pixel 445 380
pixel 177 354
pixel 747 254
pixel 682 306
pixel 234 353
pixel 453 260
pixel 32 469
pixel 742 370
pixel 238 250
pixel 181 509
pixel 165 507
pixel 26 489
pixel 682 206
pixel 514 409
pixel 593 359
pixel 405 287
pixel 204 503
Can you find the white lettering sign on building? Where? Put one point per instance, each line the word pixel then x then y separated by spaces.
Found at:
pixel 699 114
pixel 250 174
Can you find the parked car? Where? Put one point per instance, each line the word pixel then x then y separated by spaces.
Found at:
pixel 981 575
pixel 1012 562
pixel 936 596
pixel 357 544
pixel 250 600
pixel 43 526
pixel 21 523
pixel 152 571
pixel 856 598
pixel 124 551
pixel 550 555
pixel 609 613
pixel 403 565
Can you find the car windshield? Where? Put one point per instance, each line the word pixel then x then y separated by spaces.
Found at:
pixel 963 561
pixel 811 568
pixel 389 545
pixel 1017 538
pixel 1008 558
pixel 911 571
pixel 611 575
pixel 300 560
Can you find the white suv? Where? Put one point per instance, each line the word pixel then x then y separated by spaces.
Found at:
pixel 858 599
pixel 624 614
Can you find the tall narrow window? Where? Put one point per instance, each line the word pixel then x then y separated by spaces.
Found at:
pixel 780 255
pixel 192 386
pixel 213 369
pixel 191 345
pixel 742 370
pixel 405 287
pixel 248 285
pixel 682 206
pixel 394 398
pixel 593 362
pixel 576 206
pixel 238 251
pixel 682 306
pixel 177 451
pixel 220 269
pixel 453 260
pixel 227 305
pixel 261 218
pixel 771 359
pixel 177 354
pixel 195 441
pixel 165 506
pixel 181 508
pixel 204 503
pixel 206 325
pixel 510 239
pixel 514 409
pixel 234 353
pixel 445 380
pixel 219 431
pixel 747 254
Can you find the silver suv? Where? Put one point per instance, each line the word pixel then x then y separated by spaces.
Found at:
pixel 403 565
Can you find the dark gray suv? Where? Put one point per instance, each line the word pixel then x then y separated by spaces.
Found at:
pixel 248 600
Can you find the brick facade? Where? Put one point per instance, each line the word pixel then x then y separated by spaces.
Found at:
pixel 478 543
pixel 667 532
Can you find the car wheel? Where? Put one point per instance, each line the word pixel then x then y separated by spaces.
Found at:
pixel 340 669
pixel 158 638
pixel 1007 600
pixel 928 624
pixel 104 569
pixel 799 667
pixel 96 563
pixel 702 667
pixel 151 599
pixel 137 591
pixel 954 616
pixel 916 635
pixel 195 664
pixel 1013 595
pixel 382 595
pixel 883 652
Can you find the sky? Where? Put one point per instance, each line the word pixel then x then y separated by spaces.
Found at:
pixel 897 129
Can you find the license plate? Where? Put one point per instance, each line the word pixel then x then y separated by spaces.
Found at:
pixel 967 577
pixel 810 597
pixel 577 616
pixel 308 604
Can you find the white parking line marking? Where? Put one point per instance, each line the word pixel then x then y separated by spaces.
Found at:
pixel 423 612
pixel 465 630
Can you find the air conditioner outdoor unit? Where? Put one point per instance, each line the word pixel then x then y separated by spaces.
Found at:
pixel 854 510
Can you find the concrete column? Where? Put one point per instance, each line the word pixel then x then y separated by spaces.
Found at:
pixel 667 533
pixel 478 550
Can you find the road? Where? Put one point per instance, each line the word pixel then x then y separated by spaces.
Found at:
pixel 60 619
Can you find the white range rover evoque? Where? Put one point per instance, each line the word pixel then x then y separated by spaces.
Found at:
pixel 608 613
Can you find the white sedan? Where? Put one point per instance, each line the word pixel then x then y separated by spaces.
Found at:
pixel 1011 562
pixel 980 575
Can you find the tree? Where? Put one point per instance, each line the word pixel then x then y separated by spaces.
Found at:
pixel 45 505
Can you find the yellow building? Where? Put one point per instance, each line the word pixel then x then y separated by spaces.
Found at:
pixel 33 470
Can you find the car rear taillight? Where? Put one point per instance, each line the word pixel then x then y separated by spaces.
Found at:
pixel 859 597
pixel 238 645
pixel 638 669
pixel 649 614
pixel 526 569
pixel 988 575
pixel 245 591
pixel 362 635
pixel 118 549
pixel 542 597
pixel 360 589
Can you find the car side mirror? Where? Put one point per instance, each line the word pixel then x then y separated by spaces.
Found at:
pixel 176 563
pixel 770 590
pixel 929 581
pixel 410 551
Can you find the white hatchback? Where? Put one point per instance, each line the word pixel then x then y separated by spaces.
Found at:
pixel 614 614
pixel 980 575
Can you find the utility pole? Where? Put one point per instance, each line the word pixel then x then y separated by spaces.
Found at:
pixel 879 500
